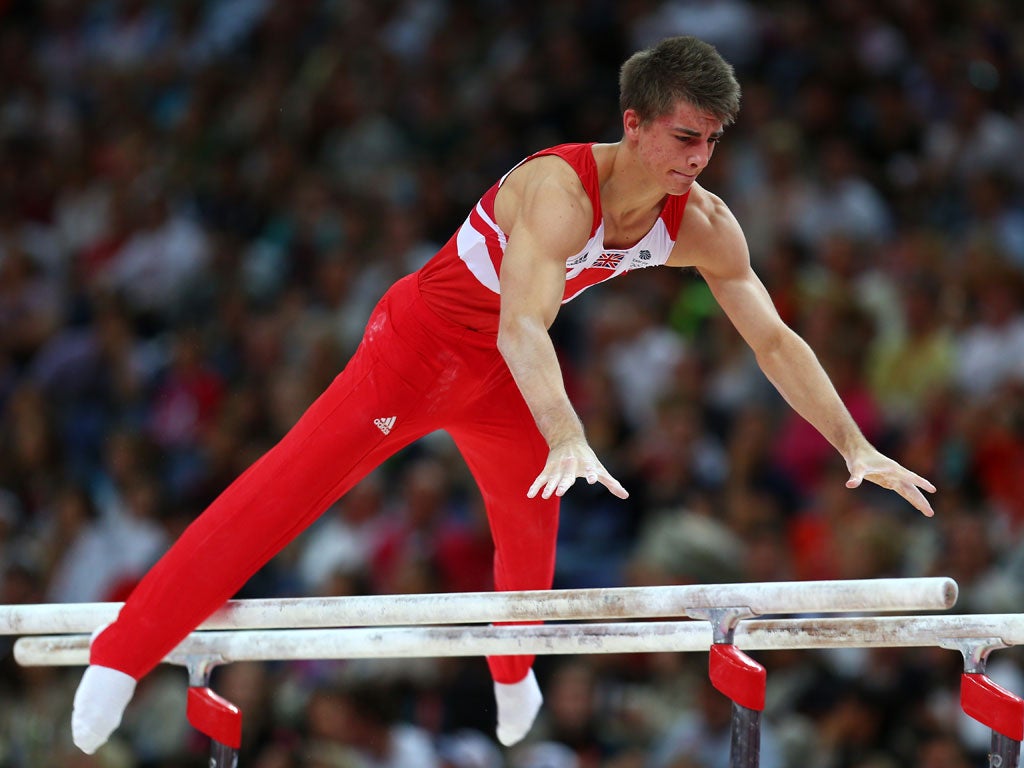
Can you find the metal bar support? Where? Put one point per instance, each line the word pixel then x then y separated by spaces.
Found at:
pixel 213 715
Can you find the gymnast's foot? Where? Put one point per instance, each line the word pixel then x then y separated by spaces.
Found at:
pixel 518 705
pixel 99 703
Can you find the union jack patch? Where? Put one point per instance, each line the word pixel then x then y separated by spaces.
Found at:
pixel 607 260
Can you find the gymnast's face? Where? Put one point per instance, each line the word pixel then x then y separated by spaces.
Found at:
pixel 674 148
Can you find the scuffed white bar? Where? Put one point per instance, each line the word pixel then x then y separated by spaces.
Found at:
pixel 769 598
pixel 581 638
pixel 396 642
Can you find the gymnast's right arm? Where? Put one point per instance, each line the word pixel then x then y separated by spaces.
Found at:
pixel 547 214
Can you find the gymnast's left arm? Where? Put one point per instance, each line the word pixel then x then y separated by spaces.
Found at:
pixel 786 359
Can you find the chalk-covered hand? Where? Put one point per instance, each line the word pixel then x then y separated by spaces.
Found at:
pixel 869 464
pixel 566 462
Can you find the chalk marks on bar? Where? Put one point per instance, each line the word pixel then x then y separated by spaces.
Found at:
pixel 558 639
pixel 795 597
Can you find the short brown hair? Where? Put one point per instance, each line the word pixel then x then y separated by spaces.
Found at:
pixel 654 80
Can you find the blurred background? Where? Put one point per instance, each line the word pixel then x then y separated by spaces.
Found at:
pixel 201 200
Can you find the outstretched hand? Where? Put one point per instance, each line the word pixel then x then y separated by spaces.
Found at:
pixel 568 461
pixel 883 471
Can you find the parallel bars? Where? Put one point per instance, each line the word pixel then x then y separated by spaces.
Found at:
pixel 394 627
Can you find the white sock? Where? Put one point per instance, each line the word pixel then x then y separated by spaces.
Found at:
pixel 518 705
pixel 99 703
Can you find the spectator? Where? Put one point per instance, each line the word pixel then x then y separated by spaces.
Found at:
pixel 342 541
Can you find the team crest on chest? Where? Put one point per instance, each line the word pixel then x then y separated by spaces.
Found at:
pixel 641 260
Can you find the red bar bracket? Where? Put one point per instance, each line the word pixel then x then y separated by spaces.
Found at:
pixel 992 705
pixel 214 716
pixel 738 676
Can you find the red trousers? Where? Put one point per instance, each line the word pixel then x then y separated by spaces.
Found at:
pixel 412 365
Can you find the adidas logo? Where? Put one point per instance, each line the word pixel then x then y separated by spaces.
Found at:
pixel 385 425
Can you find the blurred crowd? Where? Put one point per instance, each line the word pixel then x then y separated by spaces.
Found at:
pixel 201 201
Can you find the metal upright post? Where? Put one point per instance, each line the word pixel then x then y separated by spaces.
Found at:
pixel 743 680
pixel 213 715
pixel 989 703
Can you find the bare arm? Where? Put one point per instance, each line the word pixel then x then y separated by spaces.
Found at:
pixel 548 219
pixel 786 359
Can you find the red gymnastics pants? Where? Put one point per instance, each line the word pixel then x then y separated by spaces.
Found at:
pixel 412 365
